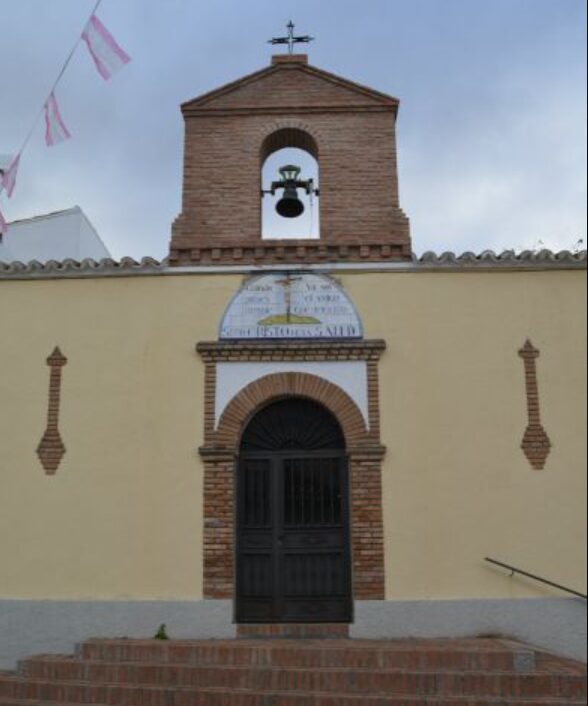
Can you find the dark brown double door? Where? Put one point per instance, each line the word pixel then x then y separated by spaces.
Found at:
pixel 292 542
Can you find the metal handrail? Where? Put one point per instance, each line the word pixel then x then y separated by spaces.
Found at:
pixel 514 570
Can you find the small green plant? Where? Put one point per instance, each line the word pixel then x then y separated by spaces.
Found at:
pixel 161 633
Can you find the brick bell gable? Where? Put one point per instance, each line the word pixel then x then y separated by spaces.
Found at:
pixel 306 87
pixel 348 128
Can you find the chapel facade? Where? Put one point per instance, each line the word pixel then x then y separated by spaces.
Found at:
pixel 308 328
pixel 261 433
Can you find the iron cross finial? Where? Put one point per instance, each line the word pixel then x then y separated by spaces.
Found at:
pixel 290 40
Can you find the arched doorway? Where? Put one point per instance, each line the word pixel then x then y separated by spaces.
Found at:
pixel 292 525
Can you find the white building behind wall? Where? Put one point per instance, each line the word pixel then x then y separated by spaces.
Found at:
pixel 61 235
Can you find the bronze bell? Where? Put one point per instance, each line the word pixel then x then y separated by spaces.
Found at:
pixel 290 206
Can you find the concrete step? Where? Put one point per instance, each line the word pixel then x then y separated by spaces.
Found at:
pixel 348 680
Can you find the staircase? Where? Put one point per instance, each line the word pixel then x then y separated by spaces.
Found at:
pixel 296 672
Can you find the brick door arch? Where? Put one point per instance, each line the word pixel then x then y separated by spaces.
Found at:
pixel 219 454
pixel 269 388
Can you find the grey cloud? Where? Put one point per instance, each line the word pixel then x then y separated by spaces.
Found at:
pixel 491 137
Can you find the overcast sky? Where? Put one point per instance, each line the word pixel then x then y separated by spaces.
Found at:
pixel 491 130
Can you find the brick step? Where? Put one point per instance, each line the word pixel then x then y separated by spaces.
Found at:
pixel 268 631
pixel 382 654
pixel 548 662
pixel 306 679
pixel 224 697
pixel 183 695
pixel 35 702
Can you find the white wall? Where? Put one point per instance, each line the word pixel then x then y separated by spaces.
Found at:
pixel 55 236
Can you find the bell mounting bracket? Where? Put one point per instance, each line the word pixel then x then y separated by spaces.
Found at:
pixel 290 180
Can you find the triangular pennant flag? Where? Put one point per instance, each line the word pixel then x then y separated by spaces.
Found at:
pixel 8 178
pixel 3 224
pixel 55 130
pixel 107 54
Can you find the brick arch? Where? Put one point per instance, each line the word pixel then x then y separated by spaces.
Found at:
pixel 288 137
pixel 221 446
pixel 289 124
pixel 269 388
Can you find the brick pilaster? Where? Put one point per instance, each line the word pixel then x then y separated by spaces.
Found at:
pixel 219 530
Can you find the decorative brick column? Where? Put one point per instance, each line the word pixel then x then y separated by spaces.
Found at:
pixel 221 447
pixel 535 444
pixel 51 447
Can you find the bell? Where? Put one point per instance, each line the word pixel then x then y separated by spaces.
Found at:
pixel 290 206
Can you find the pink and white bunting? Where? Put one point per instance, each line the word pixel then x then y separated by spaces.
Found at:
pixel 8 179
pixel 108 58
pixel 55 130
pixel 107 54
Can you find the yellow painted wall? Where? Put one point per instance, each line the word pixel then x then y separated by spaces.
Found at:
pixel 122 518
pixel 457 486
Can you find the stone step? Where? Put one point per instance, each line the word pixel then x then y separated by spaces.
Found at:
pixel 381 654
pixel 348 680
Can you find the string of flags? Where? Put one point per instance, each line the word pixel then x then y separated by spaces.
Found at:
pixel 55 130
pixel 108 58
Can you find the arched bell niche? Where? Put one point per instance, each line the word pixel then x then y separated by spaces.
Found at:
pixel 289 146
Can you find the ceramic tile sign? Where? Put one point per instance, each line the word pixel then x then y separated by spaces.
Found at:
pixel 290 305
